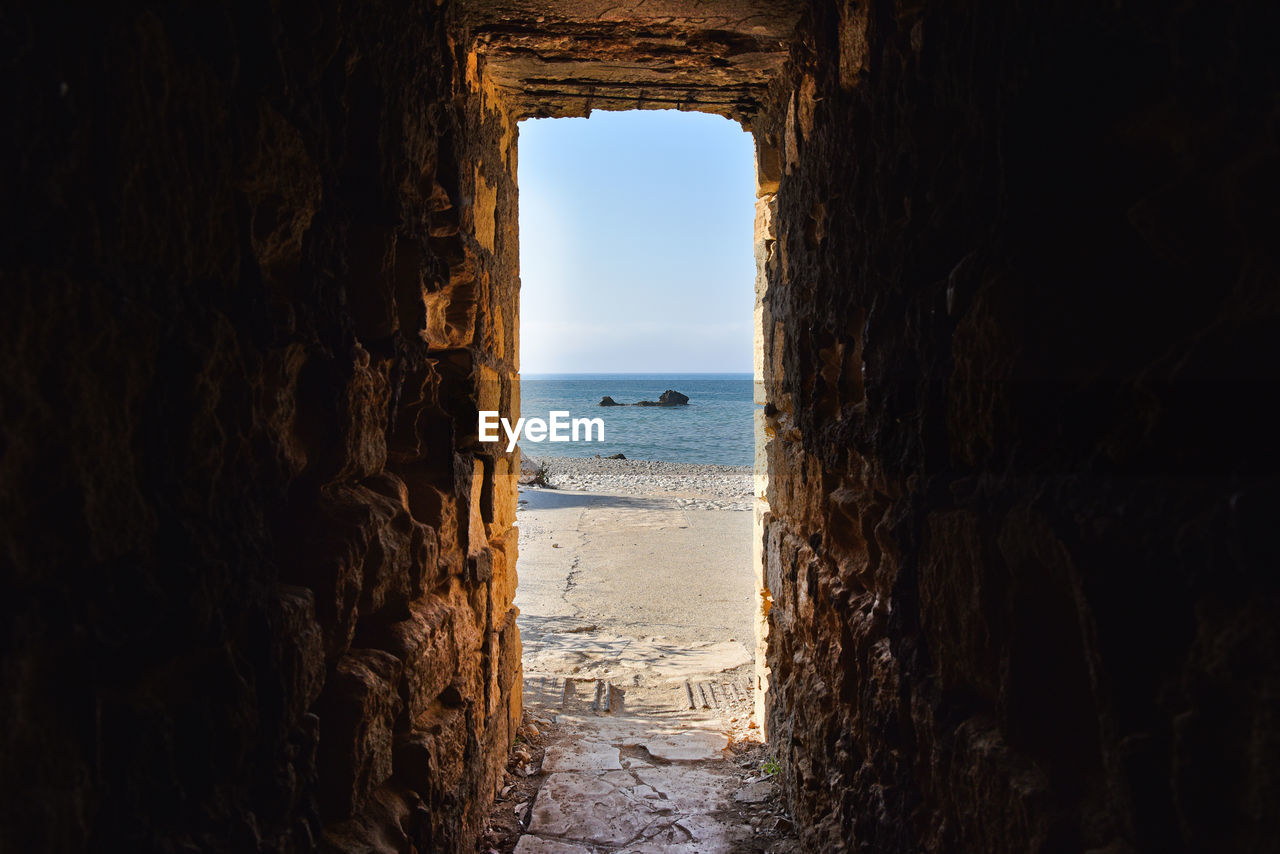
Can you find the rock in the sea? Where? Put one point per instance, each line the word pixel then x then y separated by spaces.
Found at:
pixel 671 397
pixel 609 401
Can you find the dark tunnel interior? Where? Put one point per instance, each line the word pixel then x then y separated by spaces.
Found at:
pixel 1019 343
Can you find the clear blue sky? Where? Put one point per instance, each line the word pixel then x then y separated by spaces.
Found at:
pixel 635 243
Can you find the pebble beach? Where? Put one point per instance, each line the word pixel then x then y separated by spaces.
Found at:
pixel 693 486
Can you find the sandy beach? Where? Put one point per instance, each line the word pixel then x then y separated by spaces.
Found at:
pixel 636 598
pixel 638 549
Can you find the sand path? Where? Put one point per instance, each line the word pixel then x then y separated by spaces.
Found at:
pixel 636 622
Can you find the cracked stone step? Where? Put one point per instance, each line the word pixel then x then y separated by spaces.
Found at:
pixel 723 696
pixel 543 690
pixel 591 798
pixel 605 697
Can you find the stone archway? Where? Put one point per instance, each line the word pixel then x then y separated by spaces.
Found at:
pixel 569 58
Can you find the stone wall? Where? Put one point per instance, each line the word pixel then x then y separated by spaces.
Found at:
pixel 1021 342
pixel 257 575
pixel 568 57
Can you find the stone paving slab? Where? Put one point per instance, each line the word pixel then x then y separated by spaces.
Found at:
pixel 582 807
pixel 586 756
pixel 596 799
pixel 529 844
pixel 695 834
pixel 689 746
pixel 691 788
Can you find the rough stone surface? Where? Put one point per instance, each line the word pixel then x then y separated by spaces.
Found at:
pixel 569 57
pixel 535 845
pixel 635 805
pixel 1019 321
pixel 258 272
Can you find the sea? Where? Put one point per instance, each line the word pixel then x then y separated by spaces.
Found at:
pixel 715 427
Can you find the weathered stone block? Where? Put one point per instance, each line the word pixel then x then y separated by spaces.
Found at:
pixel 425 645
pixel 469 638
pixel 451 310
pixel 502 583
pixel 371 291
pixel 300 651
pixel 432 503
pixel 331 562
pixel 364 417
pixel 422 430
pixel 391 823
pixel 431 758
pixel 504 490
pixel 402 553
pixel 511 670
pixel 357 714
